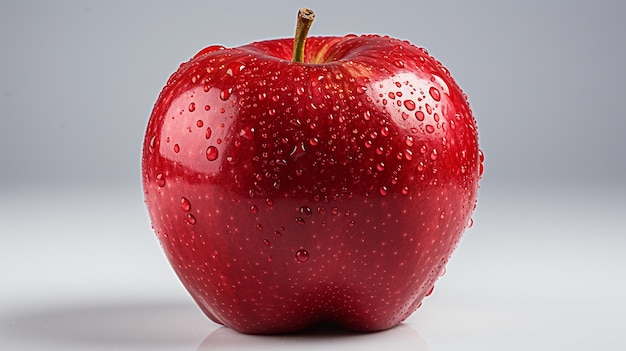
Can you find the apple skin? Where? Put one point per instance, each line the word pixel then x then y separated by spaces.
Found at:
pixel 289 194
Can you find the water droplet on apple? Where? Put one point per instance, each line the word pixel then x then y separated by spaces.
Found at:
pixel 208 133
pixel 254 209
pixel 398 63
pixel 266 242
pixel 225 94
pixel 384 131
pixel 192 107
pixel 185 204
pixel 409 104
pixel 380 167
pixel 209 49
pixel 383 190
pixel 409 141
pixel 361 89
pixel 405 190
pixel 429 109
pixel 419 115
pixel 176 148
pixel 433 154
pixel 470 223
pixel 434 93
pixel 430 128
pixel 306 211
pixel 442 272
pixel 430 291
pixel 246 133
pixel 151 144
pixel 259 227
pixel 302 255
pixel 481 156
pixel 160 180
pixel 199 123
pixel 211 153
pixel 190 219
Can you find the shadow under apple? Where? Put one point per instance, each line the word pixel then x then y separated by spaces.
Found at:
pixel 153 325
pixel 402 337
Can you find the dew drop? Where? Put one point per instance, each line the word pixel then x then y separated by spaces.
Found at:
pixel 246 133
pixel 361 89
pixel 405 190
pixel 398 63
pixel 419 115
pixel 225 94
pixel 430 128
pixel 306 211
pixel 434 93
pixel 429 109
pixel 199 123
pixel 302 255
pixel 481 156
pixel 383 190
pixel 409 141
pixel 409 104
pixel 176 148
pixel 266 242
pixel 211 153
pixel 254 209
pixel 192 107
pixel 160 180
pixel 207 135
pixel 433 155
pixel 470 223
pixel 185 204
pixel 190 219
pixel 151 144
pixel 259 227
pixel 384 131
pixel 380 167
pixel 430 291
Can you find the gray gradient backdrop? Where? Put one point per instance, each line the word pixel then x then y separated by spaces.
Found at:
pixel 542 268
pixel 545 78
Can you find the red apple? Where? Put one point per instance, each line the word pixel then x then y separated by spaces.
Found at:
pixel 290 187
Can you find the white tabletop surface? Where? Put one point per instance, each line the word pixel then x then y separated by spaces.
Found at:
pixel 540 270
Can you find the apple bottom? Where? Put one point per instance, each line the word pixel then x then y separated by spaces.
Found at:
pixel 361 264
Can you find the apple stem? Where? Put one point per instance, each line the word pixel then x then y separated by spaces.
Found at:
pixel 305 19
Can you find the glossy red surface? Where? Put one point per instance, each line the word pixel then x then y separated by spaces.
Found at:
pixel 286 194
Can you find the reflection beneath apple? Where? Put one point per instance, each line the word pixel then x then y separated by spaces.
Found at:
pixel 401 337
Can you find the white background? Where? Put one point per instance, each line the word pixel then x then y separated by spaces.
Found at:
pixel 542 268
